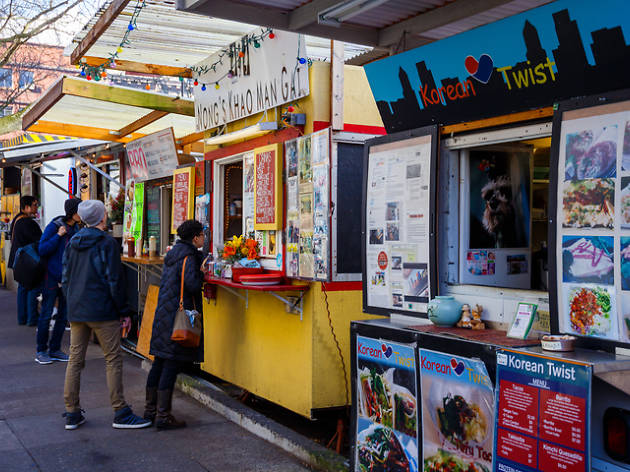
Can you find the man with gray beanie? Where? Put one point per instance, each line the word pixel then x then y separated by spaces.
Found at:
pixel 51 247
pixel 92 283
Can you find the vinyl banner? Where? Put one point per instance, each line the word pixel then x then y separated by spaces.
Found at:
pixel 152 156
pixel 457 413
pixel 247 80
pixel 387 417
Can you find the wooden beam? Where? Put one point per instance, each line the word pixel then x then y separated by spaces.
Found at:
pixel 141 123
pixel 106 19
pixel 450 13
pixel 43 104
pixel 190 138
pixel 125 96
pixel 132 66
pixel 80 131
pixel 529 115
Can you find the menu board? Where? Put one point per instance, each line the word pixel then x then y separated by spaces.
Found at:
pixel 267 187
pixel 543 414
pixel 248 193
pixel 308 215
pixel 153 213
pixel 592 242
pixel 398 226
pixel 152 156
pixel 457 413
pixel 183 196
pixel 387 414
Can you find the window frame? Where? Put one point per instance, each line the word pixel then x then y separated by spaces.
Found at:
pixel 27 85
pixel 8 76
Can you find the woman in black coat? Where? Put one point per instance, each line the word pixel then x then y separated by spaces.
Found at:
pixel 171 357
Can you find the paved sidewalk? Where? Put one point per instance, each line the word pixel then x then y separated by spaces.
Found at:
pixel 32 435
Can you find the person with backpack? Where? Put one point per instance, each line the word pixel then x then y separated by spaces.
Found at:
pixel 92 282
pixel 181 282
pixel 52 245
pixel 24 230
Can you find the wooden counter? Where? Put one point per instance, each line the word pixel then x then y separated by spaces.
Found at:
pixel 143 260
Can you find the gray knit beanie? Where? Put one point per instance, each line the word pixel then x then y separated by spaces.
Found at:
pixel 91 212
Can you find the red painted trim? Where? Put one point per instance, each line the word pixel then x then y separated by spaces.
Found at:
pixel 351 128
pixel 342 286
pixel 249 145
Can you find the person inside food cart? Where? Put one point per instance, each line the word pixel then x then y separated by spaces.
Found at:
pixel 181 283
pixel 52 245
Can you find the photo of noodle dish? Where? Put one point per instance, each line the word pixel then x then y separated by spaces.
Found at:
pixel 625 202
pixel 591 154
pixel 589 204
pixel 591 310
pixel 380 450
pixel 444 461
pixel 461 421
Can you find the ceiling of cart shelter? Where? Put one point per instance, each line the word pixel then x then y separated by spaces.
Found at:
pixel 390 26
pixel 168 37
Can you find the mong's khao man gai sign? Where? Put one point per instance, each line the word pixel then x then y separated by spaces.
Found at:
pixel 249 80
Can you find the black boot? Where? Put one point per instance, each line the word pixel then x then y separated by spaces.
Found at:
pixel 164 419
pixel 150 406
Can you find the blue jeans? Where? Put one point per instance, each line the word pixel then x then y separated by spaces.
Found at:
pixel 27 305
pixel 51 292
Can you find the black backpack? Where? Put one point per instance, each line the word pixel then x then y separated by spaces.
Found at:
pixel 29 268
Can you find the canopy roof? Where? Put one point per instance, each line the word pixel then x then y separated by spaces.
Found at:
pixel 167 41
pixel 41 151
pixel 76 107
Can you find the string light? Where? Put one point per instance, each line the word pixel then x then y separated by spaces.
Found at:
pixel 216 86
pixel 203 88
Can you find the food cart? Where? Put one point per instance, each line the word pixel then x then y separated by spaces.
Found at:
pixel 500 192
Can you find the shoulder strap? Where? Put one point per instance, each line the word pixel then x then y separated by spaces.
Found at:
pixel 181 291
pixel 15 223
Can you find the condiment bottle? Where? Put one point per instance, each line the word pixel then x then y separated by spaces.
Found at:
pixel 152 246
pixel 145 249
pixel 130 247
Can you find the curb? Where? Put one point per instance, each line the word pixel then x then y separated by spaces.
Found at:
pixel 307 451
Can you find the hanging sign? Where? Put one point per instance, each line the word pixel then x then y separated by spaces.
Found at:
pixel 386 402
pixel 72 181
pixel 152 156
pixel 564 49
pixel 543 414
pixel 247 79
pixel 268 187
pixel 457 412
pixel 183 196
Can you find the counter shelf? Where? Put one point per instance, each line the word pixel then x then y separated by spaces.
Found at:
pixel 230 286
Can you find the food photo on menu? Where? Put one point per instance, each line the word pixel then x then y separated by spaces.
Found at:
pixel 591 310
pixel 625 263
pixel 625 202
pixel 589 203
pixel 625 160
pixel 591 154
pixel 588 259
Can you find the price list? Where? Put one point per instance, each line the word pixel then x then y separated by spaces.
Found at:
pixel 542 417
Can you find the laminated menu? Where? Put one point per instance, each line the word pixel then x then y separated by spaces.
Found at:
pixel 543 414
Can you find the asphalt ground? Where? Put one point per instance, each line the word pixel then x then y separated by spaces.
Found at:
pixel 33 438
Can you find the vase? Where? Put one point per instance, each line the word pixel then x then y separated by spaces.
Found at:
pixel 444 310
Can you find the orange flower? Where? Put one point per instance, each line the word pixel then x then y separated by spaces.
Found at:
pixel 251 243
pixel 229 251
pixel 252 254
pixel 244 251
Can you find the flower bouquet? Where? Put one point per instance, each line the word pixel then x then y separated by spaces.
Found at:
pixel 242 253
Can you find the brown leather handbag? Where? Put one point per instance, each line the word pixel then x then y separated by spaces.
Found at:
pixel 187 324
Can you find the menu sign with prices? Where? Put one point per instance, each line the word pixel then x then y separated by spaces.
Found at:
pixel 152 156
pixel 543 414
pixel 267 187
pixel 591 158
pixel 183 196
pixel 398 224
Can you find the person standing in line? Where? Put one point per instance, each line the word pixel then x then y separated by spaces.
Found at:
pixel 52 246
pixel 92 284
pixel 171 357
pixel 24 230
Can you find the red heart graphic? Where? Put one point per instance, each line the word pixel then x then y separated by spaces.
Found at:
pixel 472 65
pixel 383 347
pixel 453 363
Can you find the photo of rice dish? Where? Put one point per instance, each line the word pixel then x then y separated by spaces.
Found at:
pixel 460 421
pixel 589 203
pixel 446 462
pixel 590 311
pixel 379 450
pixel 591 154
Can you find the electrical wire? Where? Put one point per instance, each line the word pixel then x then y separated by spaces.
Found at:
pixel 332 330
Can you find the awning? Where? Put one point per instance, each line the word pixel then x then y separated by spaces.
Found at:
pixel 83 109
pixel 166 41
pixel 40 151
pixel 26 138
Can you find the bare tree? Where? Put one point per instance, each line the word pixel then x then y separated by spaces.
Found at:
pixel 23 23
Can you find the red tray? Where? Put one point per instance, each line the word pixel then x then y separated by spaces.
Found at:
pixel 261 279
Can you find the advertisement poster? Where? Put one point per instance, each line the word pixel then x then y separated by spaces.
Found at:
pixel 152 156
pixel 183 194
pixel 267 188
pixel 543 414
pixel 387 414
pixel 593 236
pixel 397 225
pixel 128 212
pixel 152 202
pixel 248 193
pixel 457 413
pixel 138 211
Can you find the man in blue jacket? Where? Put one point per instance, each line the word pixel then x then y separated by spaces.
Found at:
pixel 51 247
pixel 92 284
